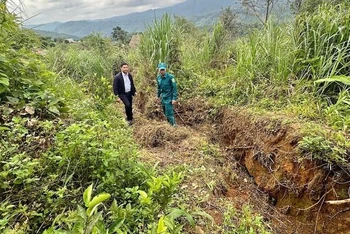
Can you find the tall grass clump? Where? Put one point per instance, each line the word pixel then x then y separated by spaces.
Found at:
pixel 322 40
pixel 89 64
pixel 213 48
pixel 161 43
pixel 81 61
pixel 265 55
pixel 262 64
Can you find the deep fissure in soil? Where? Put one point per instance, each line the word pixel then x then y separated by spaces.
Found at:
pixel 288 190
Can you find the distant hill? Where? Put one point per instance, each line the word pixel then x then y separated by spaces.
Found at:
pixel 55 34
pixel 201 12
pixel 45 27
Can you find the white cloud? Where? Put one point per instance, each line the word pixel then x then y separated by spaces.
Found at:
pixel 59 10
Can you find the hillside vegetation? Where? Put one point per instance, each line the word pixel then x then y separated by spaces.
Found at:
pixel 71 164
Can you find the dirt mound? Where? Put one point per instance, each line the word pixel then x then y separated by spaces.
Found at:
pixel 194 112
pixel 158 134
pixel 297 188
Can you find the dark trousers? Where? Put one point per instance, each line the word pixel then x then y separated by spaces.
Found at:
pixel 127 100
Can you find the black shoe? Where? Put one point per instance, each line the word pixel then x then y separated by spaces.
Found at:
pixel 130 122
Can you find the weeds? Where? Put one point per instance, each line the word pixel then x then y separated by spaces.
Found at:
pixel 322 144
pixel 243 223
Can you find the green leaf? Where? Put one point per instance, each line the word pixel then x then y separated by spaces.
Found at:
pixel 92 222
pixel 4 128
pixel 96 201
pixel 12 100
pixel 116 225
pixel 341 79
pixel 87 195
pixel 54 110
pixel 3 75
pixel 3 58
pixel 142 193
pixel 99 198
pixel 176 213
pixel 5 81
pixel 161 226
pixel 63 109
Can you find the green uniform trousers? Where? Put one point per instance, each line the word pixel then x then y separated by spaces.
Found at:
pixel 168 110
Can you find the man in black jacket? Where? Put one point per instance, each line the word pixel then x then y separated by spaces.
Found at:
pixel 124 89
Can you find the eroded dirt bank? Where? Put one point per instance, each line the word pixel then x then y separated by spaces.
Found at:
pixel 297 188
pixel 236 158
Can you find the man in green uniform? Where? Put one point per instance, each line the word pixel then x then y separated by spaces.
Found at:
pixel 167 92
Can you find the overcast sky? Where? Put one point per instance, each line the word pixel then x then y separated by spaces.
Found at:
pixel 59 10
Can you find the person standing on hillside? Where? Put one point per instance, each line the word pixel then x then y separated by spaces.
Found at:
pixel 124 89
pixel 167 92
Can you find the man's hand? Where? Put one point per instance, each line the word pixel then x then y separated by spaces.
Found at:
pixel 118 100
pixel 174 102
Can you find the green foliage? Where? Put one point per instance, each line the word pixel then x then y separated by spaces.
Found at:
pixel 24 79
pixel 244 222
pixel 97 43
pixel 47 42
pixel 324 144
pixel 338 113
pixel 120 35
pixel 90 220
pixel 47 171
pixel 266 55
pixel 135 214
pixel 310 6
pixel 160 43
pixel 322 43
pixel 162 188
pixel 229 21
pixel 89 64
pixel 213 47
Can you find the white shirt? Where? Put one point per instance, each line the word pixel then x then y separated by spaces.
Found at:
pixel 127 83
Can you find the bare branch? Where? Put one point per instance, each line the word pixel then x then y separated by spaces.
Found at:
pixel 338 202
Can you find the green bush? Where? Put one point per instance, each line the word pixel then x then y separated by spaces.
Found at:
pixel 24 79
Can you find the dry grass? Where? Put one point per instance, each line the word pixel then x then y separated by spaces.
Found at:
pixel 157 134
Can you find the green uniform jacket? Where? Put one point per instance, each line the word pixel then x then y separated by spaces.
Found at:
pixel 167 90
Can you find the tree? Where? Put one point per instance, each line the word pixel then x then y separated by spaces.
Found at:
pixel 228 19
pixel 120 35
pixel 184 25
pixel 260 8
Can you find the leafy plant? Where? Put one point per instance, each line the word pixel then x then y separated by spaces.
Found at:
pixel 89 220
pixel 243 222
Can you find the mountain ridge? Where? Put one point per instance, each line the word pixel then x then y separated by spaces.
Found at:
pixel 201 12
